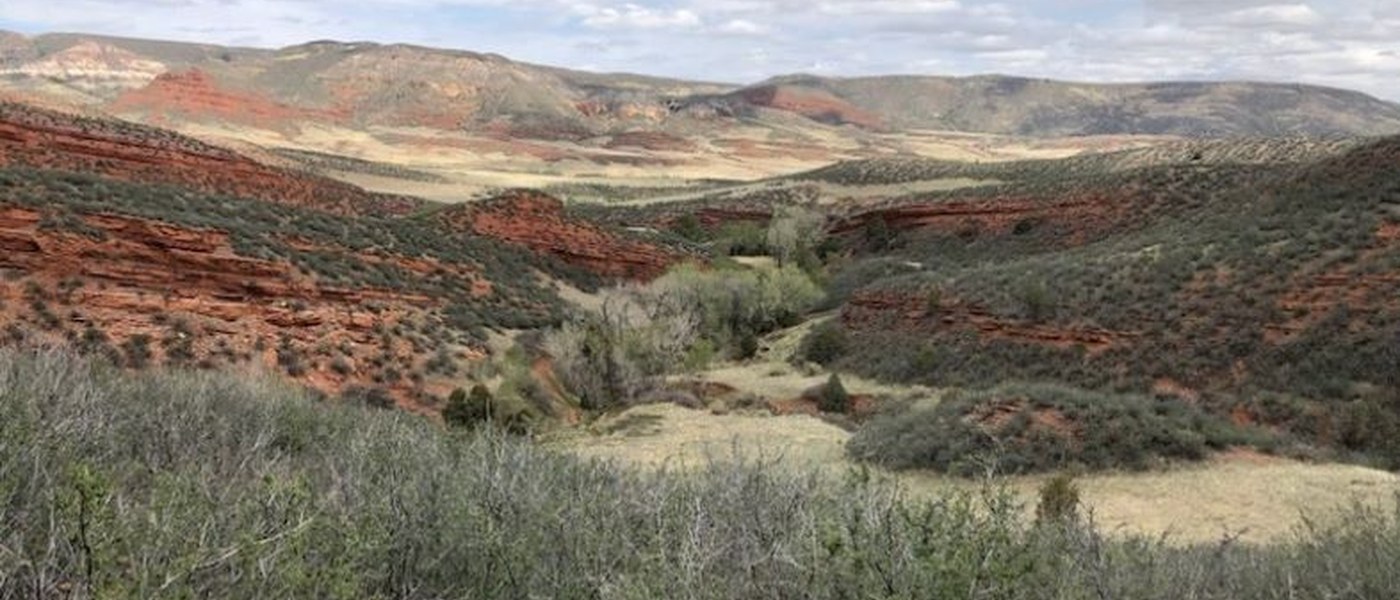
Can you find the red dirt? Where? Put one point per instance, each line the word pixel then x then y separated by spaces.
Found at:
pixel 1167 386
pixel 537 221
pixel 909 312
pixel 993 416
pixel 716 217
pixel 1081 217
pixel 861 406
pixel 813 104
pixel 51 140
pixel 1314 298
pixel 542 371
pixel 651 140
pixel 143 276
pixel 195 94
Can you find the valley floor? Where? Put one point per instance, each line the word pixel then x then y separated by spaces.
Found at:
pixel 1257 498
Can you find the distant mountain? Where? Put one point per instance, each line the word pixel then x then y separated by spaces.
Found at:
pixel 1039 107
pixel 365 84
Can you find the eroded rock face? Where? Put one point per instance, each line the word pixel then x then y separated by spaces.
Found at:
pixel 184 296
pixel 910 312
pixel 89 66
pixel 813 104
pixel 1076 218
pixel 45 139
pixel 194 94
pixel 538 222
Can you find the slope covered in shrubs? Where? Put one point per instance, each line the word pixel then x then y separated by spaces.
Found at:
pixel 1223 280
pixel 185 484
pixel 1020 428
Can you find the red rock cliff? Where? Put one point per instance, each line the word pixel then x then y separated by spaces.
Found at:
pixel 538 222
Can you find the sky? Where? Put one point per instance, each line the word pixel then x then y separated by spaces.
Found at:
pixel 1345 43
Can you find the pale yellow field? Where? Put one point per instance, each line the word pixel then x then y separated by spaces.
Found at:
pixel 473 165
pixel 1259 498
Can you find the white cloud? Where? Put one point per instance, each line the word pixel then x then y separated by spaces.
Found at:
pixel 637 16
pixel 743 27
pixel 1273 15
pixel 1355 44
pixel 887 7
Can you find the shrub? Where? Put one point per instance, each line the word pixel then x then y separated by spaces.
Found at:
pixel 1059 500
pixel 878 235
pixel 610 358
pixel 834 398
pixel 748 345
pixel 727 306
pixel 465 410
pixel 290 359
pixel 137 350
pixel 743 238
pixel 1037 304
pixel 933 301
pixel 1020 428
pixel 689 227
pixel 372 397
pixel 341 366
pixel 825 344
pixel 793 232
pixel 201 485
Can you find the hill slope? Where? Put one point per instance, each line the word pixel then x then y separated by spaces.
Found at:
pixel 1040 107
pixel 1256 278
pixel 364 84
pixel 149 247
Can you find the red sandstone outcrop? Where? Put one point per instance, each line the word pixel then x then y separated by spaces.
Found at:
pixel 195 94
pixel 895 311
pixel 130 278
pixel 813 104
pixel 1077 217
pixel 538 222
pixel 50 140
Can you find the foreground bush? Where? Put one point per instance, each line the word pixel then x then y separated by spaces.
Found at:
pixel 1024 428
pixel 195 485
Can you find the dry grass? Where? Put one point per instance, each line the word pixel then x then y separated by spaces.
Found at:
pixel 670 436
pixel 1260 498
pixel 473 166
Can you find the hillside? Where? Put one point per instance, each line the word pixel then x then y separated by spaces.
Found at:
pixel 475 122
pixel 1039 107
pixel 1263 290
pixel 149 248
pixel 197 485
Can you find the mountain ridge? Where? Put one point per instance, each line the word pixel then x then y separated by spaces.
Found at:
pixel 378 84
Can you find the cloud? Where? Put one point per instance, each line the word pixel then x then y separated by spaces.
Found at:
pixel 1354 45
pixel 886 7
pixel 743 27
pixel 636 16
pixel 1273 15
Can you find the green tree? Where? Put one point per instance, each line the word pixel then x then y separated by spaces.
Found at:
pixel 793 232
pixel 690 228
pixel 878 235
pixel 825 344
pixel 466 410
pixel 834 398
